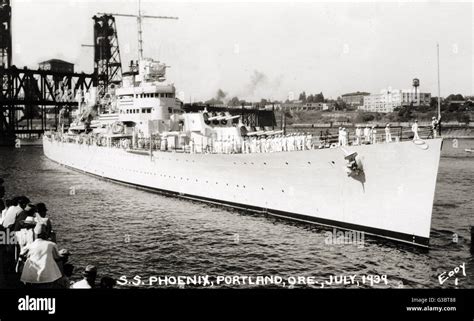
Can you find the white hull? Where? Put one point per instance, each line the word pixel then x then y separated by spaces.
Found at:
pixel 394 199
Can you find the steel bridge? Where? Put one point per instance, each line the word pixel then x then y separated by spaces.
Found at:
pixel 31 100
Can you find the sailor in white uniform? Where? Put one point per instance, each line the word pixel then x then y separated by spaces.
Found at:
pixel 344 136
pixel 358 134
pixel 434 127
pixel 373 134
pixel 414 129
pixel 302 141
pixel 309 141
pixel 388 135
pixel 367 134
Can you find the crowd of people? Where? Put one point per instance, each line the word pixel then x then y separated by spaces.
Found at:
pixel 29 255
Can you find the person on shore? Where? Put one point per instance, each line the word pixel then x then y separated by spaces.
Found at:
pixel 388 134
pixel 414 129
pixel 25 233
pixel 339 137
pixel 65 281
pixel 65 268
pixel 88 282
pixel 40 269
pixel 107 283
pixel 29 211
pixel 2 210
pixel 18 206
pixel 63 259
pixel 40 217
pixel 7 205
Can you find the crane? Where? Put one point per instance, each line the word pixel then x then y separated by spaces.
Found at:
pixel 139 18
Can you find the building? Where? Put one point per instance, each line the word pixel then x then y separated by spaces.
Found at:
pixel 387 101
pixel 354 99
pixel 298 105
pixel 56 65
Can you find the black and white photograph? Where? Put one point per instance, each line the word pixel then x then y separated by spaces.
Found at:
pixel 200 149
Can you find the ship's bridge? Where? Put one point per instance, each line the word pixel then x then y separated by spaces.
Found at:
pixel 149 102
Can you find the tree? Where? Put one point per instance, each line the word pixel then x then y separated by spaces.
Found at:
pixel 404 113
pixel 319 98
pixel 452 107
pixel 463 118
pixel 214 101
pixel 434 102
pixel 310 99
pixel 454 97
pixel 302 97
pixel 234 101
pixel 364 117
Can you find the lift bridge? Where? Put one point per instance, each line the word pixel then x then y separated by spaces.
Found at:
pixel 29 96
pixel 31 100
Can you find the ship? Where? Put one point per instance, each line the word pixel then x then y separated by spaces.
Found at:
pixel 143 137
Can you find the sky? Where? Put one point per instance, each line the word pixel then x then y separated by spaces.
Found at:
pixel 262 49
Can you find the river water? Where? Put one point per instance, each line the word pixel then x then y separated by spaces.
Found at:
pixel 129 232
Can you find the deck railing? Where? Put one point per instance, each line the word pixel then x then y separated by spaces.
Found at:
pixel 250 144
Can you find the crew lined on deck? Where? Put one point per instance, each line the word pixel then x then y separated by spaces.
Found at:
pixel 261 141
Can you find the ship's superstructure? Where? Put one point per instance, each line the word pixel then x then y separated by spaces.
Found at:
pixel 145 111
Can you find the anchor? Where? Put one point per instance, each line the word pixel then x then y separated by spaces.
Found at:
pixel 354 166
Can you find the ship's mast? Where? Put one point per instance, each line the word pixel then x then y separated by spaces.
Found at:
pixel 439 87
pixel 139 28
pixel 140 18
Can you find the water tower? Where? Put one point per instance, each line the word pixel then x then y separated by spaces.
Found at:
pixel 416 84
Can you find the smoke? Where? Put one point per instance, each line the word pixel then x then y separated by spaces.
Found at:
pixel 261 86
pixel 221 95
pixel 257 80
